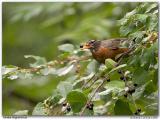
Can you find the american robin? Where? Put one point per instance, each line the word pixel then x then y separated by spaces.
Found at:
pixel 104 49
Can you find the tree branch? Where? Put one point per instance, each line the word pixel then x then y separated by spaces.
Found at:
pixel 83 109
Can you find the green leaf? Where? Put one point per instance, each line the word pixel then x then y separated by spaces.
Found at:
pixel 39 60
pixel 39 109
pixel 151 7
pixel 141 17
pixel 100 110
pixel 110 63
pixel 125 30
pixel 53 100
pixel 129 14
pixel 8 69
pixel 64 88
pixel 64 55
pixel 151 108
pixel 122 108
pixel 138 36
pixel 13 77
pixel 47 71
pixel 148 57
pixel 141 76
pixel 139 91
pixel 78 83
pixel 152 23
pixel 117 68
pixel 21 112
pixel 88 112
pixel 91 67
pixel 77 100
pixel 66 47
pixel 65 70
pixel 88 76
pixel 113 86
pixel 149 103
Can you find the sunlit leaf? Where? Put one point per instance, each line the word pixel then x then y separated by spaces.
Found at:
pixel 119 67
pixel 141 17
pixel 6 70
pixel 113 86
pixel 110 63
pixel 12 77
pixel 47 71
pixel 64 88
pixel 39 60
pixel 21 112
pixel 39 110
pixel 66 47
pixel 64 70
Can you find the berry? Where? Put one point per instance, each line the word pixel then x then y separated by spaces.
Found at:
pixel 64 104
pixel 139 110
pixel 119 71
pixel 68 108
pixel 108 80
pixel 131 91
pixel 125 95
pixel 135 85
pixel 134 40
pixel 122 78
pixel 87 106
pixel 91 104
pixel 90 108
pixel 136 113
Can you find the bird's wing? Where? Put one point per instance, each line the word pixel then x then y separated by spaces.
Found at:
pixel 113 44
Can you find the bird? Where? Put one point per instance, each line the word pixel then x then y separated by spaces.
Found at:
pixel 104 49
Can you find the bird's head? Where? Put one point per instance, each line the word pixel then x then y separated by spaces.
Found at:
pixel 88 45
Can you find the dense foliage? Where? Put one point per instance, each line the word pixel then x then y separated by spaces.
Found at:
pixel 86 87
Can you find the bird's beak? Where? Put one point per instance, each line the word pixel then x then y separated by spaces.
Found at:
pixel 85 46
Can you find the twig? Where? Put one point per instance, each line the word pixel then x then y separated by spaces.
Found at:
pixel 89 81
pixel 93 82
pixel 83 109
pixel 78 58
pixel 124 54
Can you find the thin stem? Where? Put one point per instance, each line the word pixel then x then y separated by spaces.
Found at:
pixel 93 81
pixel 88 81
pixel 124 54
pixel 83 109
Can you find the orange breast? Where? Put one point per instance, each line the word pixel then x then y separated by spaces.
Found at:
pixel 103 53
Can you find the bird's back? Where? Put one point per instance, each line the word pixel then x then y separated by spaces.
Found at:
pixel 113 43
